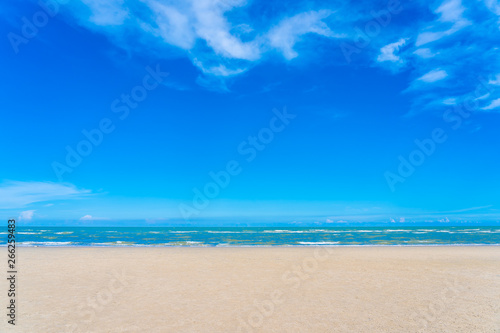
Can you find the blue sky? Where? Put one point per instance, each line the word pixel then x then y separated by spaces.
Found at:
pixel 307 111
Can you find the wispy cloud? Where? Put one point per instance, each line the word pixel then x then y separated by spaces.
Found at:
pixel 450 12
pixel 212 26
pixel 433 76
pixel 286 34
pixel 495 81
pixel 463 210
pixel 219 70
pixel 493 105
pixel 453 52
pixel 106 13
pixel 217 45
pixel 452 39
pixel 18 194
pixel 424 53
pixel 493 6
pixel 171 25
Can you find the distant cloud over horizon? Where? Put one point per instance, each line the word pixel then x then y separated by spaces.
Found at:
pixel 26 215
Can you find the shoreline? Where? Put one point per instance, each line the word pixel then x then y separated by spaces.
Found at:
pixel 252 246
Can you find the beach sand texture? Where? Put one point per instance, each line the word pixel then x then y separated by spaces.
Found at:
pixel 277 289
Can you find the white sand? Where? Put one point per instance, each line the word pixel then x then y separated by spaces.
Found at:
pixel 344 289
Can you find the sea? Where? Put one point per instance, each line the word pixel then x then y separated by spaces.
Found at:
pixel 252 236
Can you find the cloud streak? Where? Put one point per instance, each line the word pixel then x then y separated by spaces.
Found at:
pixel 433 76
pixel 288 32
pixel 18 194
pixel 218 46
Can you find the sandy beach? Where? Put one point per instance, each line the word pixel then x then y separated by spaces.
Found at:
pixel 337 289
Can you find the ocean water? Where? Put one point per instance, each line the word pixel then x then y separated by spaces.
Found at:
pixel 257 236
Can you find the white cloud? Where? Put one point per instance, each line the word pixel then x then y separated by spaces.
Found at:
pixel 424 53
pixel 92 218
pixel 450 101
pixel 27 215
pixel 17 194
pixel 495 81
pixel 433 76
pixel 182 23
pixel 219 70
pixel 286 34
pixel 493 6
pixel 224 38
pixel 450 11
pixel 483 96
pixel 493 105
pixel 213 27
pixel 174 27
pixel 109 12
pixel 387 53
pixel 212 32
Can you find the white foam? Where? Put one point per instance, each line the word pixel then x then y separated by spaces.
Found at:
pixel 45 243
pixel 183 243
pixel 297 231
pixel 318 243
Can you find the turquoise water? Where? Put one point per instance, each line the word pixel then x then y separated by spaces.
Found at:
pixel 262 236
